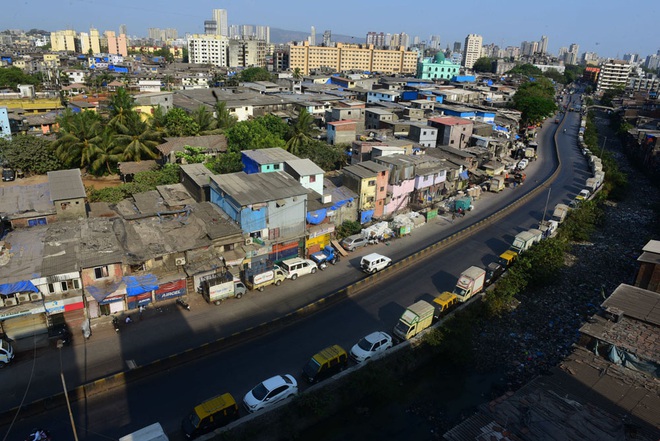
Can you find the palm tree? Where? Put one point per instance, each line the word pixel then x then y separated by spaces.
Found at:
pixel 224 119
pixel 204 120
pixel 137 140
pixel 158 121
pixel 121 106
pixel 301 132
pixel 78 140
pixel 107 153
pixel 297 73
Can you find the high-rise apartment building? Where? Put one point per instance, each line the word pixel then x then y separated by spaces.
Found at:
pixel 117 44
pixel 123 29
pixel 208 49
pixel 457 47
pixel 312 37
pixel 247 31
pixel 529 48
pixel 210 27
pixel 63 41
pixel 234 31
pixel 613 73
pixel 471 50
pixel 543 45
pixel 246 52
pixel 220 17
pixel 263 33
pixel 376 39
pixel 90 42
pixel 327 38
pixel 571 57
pixel 345 57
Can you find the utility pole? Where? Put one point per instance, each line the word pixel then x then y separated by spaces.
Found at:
pixel 60 343
pixel 603 148
pixel 546 206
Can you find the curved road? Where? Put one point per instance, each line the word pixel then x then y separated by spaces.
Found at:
pixel 167 397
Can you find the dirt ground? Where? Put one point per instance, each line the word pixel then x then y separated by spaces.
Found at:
pixel 89 181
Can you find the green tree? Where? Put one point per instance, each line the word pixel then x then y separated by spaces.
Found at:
pixel 191 155
pixel 245 135
pixel 252 74
pixel 546 259
pixel 554 75
pixel 527 70
pixel 328 157
pixel 535 99
pixel 121 108
pixel 107 153
pixel 158 120
pixel 11 77
pixel 229 162
pixel 297 73
pixel 179 123
pixel 301 132
pixel 483 64
pixel 204 120
pixel 224 119
pixel 30 154
pixel 137 140
pixel 78 138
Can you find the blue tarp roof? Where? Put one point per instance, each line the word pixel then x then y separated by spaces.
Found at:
pixel 22 286
pixel 136 285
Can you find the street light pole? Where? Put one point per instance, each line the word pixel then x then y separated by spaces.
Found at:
pixel 602 149
pixel 546 206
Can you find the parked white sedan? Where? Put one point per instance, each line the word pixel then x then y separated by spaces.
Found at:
pixel 269 392
pixel 371 345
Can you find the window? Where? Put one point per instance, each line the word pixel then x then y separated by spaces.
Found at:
pixel 276 166
pixel 100 272
pixel 372 183
pixel 51 288
pixel 312 179
pixel 65 287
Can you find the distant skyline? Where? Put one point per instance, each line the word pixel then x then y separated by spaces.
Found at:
pixel 606 27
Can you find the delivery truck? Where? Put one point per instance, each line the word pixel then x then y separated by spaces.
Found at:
pixel 259 281
pixel 153 432
pixel 221 287
pixel 522 242
pixel 560 212
pixel 414 320
pixel 470 283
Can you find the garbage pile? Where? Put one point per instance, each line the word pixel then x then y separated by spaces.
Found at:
pixel 539 333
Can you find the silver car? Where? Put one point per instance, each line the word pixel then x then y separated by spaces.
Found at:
pixel 355 241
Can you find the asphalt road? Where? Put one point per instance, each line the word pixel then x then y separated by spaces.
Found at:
pixel 168 396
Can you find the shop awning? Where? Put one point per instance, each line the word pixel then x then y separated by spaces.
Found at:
pixel 136 285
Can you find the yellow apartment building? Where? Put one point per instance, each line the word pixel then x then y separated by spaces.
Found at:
pixel 346 57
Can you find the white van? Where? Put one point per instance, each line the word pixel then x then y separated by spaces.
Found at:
pixel 6 353
pixel 296 267
pixel 374 262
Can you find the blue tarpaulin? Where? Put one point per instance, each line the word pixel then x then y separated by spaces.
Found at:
pixel 464 175
pixel 22 286
pixel 316 217
pixel 366 216
pixel 136 285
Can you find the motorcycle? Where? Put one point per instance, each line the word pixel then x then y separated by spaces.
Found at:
pixel 183 304
pixel 38 435
pixel 115 323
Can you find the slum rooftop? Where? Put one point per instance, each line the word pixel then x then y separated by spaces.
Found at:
pixel 269 155
pixel 66 184
pixel 258 188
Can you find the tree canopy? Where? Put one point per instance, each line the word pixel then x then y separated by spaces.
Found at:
pixel 29 153
pixel 13 76
pixel 535 99
pixel 483 64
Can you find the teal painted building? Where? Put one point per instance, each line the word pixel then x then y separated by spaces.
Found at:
pixel 437 68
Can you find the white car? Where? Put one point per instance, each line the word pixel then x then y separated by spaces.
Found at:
pixel 371 345
pixel 269 392
pixel 296 267
pixel 584 195
pixel 522 164
pixel 374 262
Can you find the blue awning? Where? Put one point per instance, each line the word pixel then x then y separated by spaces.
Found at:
pixel 13 288
pixel 136 285
pixel 464 175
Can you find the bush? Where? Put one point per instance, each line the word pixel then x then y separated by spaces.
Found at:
pixel 348 228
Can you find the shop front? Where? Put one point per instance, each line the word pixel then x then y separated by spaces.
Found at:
pixel 171 290
pixel 139 290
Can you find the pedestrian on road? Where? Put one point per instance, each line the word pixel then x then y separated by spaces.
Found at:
pixel 453 217
pixel 140 311
pixel 129 319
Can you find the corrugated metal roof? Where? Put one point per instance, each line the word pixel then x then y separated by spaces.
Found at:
pixel 269 156
pixel 19 201
pixel 304 167
pixel 198 173
pixel 66 184
pixel 258 188
pixel 636 302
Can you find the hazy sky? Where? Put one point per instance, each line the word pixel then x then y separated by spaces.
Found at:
pixel 607 27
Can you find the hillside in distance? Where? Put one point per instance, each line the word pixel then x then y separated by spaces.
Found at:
pixel 281 36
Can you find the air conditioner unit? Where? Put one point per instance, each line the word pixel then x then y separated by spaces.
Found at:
pixel 180 261
pixel 23 298
pixel 35 296
pixel 10 301
pixel 249 241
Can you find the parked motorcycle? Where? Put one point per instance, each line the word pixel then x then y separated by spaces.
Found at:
pixel 115 323
pixel 38 435
pixel 183 304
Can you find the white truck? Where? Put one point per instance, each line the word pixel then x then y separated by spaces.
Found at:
pixel 222 287
pixel 153 432
pixel 6 353
pixel 470 283
pixel 523 241
pixel 414 320
pixel 560 212
pixel 261 280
